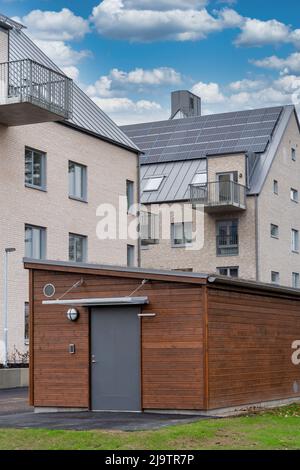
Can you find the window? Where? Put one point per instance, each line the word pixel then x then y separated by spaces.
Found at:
pixel 227 238
pixel 296 280
pixel 77 248
pixel 129 194
pixel 181 234
pixel 200 178
pixel 130 256
pixel 35 169
pixel 149 228
pixel 295 240
pixel 275 187
pixel 153 184
pixel 35 242
pixel 77 181
pixel 294 156
pixel 274 231
pixel 294 195
pixel 275 277
pixel 26 322
pixel 229 272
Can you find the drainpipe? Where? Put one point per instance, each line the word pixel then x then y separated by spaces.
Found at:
pixel 257 240
pixel 5 304
pixel 139 202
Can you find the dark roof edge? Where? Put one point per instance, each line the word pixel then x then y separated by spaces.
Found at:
pixel 177 276
pixel 253 285
pixel 99 136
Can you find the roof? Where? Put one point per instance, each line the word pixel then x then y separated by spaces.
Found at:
pixel 87 116
pixel 155 274
pixel 198 137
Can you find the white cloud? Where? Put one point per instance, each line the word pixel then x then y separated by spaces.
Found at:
pixel 288 84
pixel 162 5
pixel 290 63
pixel 58 26
pixel 127 111
pixel 72 72
pixel 260 33
pixel 121 19
pixel 118 81
pixel 246 84
pixel 61 53
pixel 209 92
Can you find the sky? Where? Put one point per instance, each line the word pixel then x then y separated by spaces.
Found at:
pixel 128 55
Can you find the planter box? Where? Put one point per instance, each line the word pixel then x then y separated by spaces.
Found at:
pixel 14 378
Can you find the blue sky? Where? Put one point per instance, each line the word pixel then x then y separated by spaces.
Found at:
pixel 128 55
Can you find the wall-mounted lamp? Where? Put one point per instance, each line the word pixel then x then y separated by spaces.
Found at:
pixel 72 314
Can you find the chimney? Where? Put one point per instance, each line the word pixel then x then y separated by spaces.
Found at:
pixel 185 104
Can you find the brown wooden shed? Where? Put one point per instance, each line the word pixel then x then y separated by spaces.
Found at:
pixel 157 340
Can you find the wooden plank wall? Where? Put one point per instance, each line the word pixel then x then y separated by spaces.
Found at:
pixel 249 349
pixel 172 342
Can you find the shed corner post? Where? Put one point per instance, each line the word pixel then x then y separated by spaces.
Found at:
pixel 205 349
pixel 31 337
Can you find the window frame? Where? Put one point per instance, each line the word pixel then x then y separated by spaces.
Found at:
pixel 82 198
pixel 148 179
pixel 42 241
pixel 294 154
pixel 84 239
pixel 200 184
pixel 275 187
pixel 26 323
pixel 129 195
pixel 229 268
pixel 218 236
pixel 277 273
pixel 274 226
pixel 295 242
pixel 292 193
pixel 296 276
pixel 43 170
pixel 130 256
pixel 185 240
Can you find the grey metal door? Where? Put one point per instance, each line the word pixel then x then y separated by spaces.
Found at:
pixel 115 349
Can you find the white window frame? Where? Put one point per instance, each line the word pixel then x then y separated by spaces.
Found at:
pixel 228 269
pixel 129 194
pixel 277 275
pixel 294 195
pixel 295 240
pixel 197 179
pixel 275 187
pixel 296 280
pixel 77 189
pixel 82 238
pixel 33 153
pixel 150 183
pixel 183 227
pixel 38 234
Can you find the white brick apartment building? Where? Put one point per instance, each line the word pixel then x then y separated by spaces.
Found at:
pixel 61 157
pixel 242 169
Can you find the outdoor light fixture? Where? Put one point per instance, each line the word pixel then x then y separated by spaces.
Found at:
pixel 72 314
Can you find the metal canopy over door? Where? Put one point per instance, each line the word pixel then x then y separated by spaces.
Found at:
pixel 115 349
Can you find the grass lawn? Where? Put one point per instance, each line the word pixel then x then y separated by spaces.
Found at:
pixel 277 429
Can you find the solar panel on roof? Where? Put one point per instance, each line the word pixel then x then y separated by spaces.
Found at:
pixel 194 138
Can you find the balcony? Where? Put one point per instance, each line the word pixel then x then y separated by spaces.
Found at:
pixel 219 196
pixel 31 93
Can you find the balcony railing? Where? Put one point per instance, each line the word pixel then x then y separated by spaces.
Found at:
pixel 149 228
pixel 219 195
pixel 227 245
pixel 27 81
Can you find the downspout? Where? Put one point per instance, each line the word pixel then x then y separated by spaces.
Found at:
pixel 257 240
pixel 138 185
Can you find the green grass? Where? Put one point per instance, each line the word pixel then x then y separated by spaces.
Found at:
pixel 276 429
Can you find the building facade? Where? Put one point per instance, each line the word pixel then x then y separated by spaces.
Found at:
pixel 62 157
pixel 241 171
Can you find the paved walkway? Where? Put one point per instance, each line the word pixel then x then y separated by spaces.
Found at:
pixel 16 413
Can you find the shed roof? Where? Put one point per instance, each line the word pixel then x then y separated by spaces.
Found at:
pixel 155 274
pixel 87 116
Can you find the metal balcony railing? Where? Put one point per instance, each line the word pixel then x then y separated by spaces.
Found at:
pixel 28 81
pixel 227 245
pixel 219 193
pixel 149 228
